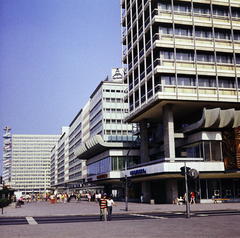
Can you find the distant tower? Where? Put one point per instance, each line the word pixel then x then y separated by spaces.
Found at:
pixel 7 148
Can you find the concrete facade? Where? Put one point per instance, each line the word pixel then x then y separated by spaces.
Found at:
pixel 182 63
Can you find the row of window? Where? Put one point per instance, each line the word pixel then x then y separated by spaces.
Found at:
pixel 118 138
pixel 202 81
pixel 96 130
pixel 113 110
pixel 208 150
pixel 114 163
pixel 114 100
pixel 75 176
pixel 28 179
pixel 30 173
pixel 96 108
pixel 112 91
pixel 114 132
pixel 201 57
pixel 113 121
pixel 34 139
pixel 204 33
pixel 200 9
pixel 75 168
pixel 27 185
pixel 75 131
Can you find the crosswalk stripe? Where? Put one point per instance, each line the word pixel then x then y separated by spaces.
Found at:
pixel 155 217
pixel 31 221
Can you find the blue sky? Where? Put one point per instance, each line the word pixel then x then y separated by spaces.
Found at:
pixel 53 54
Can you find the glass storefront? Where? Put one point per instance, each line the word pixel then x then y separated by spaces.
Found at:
pixel 114 163
pixel 208 150
pixel 220 188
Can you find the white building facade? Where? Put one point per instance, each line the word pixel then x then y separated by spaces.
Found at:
pixel 31 162
pixel 98 139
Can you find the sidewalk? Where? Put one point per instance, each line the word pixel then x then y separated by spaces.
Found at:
pixel 90 208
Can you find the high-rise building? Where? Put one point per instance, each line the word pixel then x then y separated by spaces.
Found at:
pixel 7 149
pixel 30 170
pixel 97 142
pixel 109 137
pixel 182 63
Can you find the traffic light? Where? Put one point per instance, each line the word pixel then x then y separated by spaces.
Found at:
pixel 191 173
pixel 183 170
pixel 123 180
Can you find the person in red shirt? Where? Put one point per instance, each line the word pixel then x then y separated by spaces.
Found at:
pixel 192 198
pixel 103 207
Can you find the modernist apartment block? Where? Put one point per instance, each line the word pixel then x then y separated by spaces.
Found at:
pixel 107 138
pixel 182 63
pixel 91 149
pixel 30 170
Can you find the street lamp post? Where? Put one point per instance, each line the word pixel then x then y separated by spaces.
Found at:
pixel 186 185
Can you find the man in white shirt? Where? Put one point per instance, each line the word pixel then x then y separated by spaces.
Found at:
pixel 110 202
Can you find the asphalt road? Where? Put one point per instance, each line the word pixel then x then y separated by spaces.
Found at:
pixel 142 220
pixel 116 217
pixel 216 225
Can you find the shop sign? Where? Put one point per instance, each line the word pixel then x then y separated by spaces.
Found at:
pixel 138 171
pixel 75 186
pixel 102 176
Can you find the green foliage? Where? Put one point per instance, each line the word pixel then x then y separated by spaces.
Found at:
pixel 5 202
pixel 5 197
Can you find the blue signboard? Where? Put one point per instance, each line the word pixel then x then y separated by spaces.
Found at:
pixel 138 171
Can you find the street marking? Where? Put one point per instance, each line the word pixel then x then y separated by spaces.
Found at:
pixel 31 221
pixel 155 217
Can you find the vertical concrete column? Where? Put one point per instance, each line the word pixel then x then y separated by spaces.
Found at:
pixel 172 190
pixel 146 189
pixel 144 141
pixel 168 132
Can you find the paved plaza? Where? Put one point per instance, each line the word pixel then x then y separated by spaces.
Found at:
pixel 44 208
pixel 219 225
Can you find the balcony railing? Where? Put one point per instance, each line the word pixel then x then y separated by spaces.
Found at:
pixel 149 69
pixel 147 22
pixel 142 75
pixel 135 60
pixel 148 45
pixel 197 16
pixel 136 81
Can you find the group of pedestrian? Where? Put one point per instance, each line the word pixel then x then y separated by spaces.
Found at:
pixel 192 197
pixel 106 207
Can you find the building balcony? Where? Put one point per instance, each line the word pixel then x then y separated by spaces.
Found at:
pixel 161 16
pixel 188 67
pixel 203 44
pixel 194 93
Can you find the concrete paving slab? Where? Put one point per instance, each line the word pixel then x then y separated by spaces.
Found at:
pixel 89 208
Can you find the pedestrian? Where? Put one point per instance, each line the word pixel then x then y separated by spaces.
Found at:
pixel 65 198
pixel 89 197
pixel 79 197
pixel 103 207
pixel 141 196
pixel 110 202
pixel 185 197
pixel 192 198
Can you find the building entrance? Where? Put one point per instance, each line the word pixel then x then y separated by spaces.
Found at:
pixel 158 192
